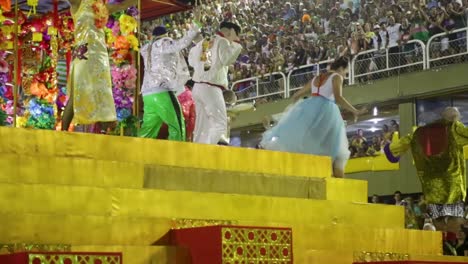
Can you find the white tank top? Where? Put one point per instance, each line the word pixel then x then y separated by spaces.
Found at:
pixel 326 89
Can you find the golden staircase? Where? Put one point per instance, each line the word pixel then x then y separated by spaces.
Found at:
pixel 105 193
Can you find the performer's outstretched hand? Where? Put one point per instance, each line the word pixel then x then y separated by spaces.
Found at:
pixel 197 11
pixel 359 112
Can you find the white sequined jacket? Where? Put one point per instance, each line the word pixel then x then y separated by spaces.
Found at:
pixel 165 67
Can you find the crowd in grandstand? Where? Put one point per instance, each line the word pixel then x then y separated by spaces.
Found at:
pixel 279 35
pixel 417 217
pixel 362 146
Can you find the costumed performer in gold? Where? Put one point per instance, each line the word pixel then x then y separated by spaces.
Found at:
pixel 437 150
pixel 89 82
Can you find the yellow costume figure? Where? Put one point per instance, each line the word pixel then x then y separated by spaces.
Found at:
pixel 437 149
pixel 90 82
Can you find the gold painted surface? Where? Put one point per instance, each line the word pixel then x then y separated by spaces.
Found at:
pixel 131 231
pixel 439 258
pixel 82 200
pixel 202 180
pixel 53 258
pixel 161 152
pixel 341 237
pixel 141 254
pixel 254 245
pixel 68 171
pixel 377 163
pixel 346 190
pixel 347 257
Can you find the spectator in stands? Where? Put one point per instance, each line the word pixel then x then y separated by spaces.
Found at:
pixel 462 244
pixel 358 140
pixel 386 135
pixel 410 216
pixel 376 143
pixel 289 12
pixel 397 198
pixel 375 199
pixel 428 225
pixel 394 126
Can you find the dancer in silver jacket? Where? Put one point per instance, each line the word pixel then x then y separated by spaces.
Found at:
pixel 166 72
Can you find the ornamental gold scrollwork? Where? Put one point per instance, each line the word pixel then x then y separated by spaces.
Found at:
pixel 256 245
pixel 25 247
pixel 190 223
pixel 73 259
pixel 364 256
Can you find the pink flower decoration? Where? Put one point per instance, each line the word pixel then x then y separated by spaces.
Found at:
pixel 4 66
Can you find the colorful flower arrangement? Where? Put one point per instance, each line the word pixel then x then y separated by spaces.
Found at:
pixel 122 42
pixel 41 98
pixel 6 92
pixel 42 35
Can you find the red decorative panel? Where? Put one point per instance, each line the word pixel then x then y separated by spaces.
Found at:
pixel 235 244
pixel 61 258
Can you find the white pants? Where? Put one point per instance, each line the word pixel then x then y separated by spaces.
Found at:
pixel 211 115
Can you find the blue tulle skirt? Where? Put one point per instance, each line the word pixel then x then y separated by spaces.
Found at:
pixel 312 126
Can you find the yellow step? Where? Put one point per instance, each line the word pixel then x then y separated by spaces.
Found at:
pixel 82 200
pixel 70 171
pixel 103 173
pixel 132 231
pixel 142 254
pixel 187 179
pixel 348 257
pixel 160 152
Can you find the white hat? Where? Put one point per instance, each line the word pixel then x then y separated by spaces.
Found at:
pixel 459 2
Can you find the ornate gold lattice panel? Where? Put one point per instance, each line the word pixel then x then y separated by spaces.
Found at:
pixel 256 245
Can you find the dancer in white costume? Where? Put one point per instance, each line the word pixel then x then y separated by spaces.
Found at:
pixel 315 125
pixel 210 60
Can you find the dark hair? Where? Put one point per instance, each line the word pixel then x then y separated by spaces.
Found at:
pixel 341 62
pixel 159 30
pixel 230 25
pixel 397 192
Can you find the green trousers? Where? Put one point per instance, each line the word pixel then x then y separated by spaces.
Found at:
pixel 162 108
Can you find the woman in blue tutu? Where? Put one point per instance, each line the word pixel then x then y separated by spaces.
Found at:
pixel 314 125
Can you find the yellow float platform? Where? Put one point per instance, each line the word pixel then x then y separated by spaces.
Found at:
pixel 104 193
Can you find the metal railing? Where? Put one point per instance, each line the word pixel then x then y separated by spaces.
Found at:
pixel 443 49
pixel 376 64
pixel 414 55
pixel 270 87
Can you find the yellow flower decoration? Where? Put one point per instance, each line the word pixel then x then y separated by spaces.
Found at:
pixel 2 17
pixel 21 121
pixel 128 24
pixel 133 42
pixel 33 4
pixel 110 37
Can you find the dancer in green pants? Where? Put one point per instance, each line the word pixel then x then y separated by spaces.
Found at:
pixel 162 108
pixel 165 72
